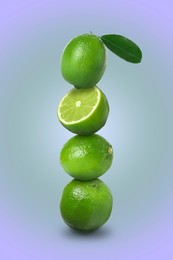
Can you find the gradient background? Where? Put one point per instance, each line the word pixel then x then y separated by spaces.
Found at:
pixel 140 126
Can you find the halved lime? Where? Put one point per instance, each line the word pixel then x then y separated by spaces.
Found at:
pixel 83 111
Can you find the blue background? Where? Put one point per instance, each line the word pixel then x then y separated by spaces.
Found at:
pixel 139 127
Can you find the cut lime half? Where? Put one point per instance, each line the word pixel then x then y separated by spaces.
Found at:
pixel 83 111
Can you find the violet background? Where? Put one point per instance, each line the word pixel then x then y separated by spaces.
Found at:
pixel 140 126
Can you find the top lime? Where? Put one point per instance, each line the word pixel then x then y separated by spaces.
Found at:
pixel 83 61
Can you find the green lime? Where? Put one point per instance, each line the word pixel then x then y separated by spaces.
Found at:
pixel 86 205
pixel 86 157
pixel 83 61
pixel 83 111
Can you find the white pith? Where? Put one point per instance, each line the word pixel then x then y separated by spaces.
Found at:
pixel 78 103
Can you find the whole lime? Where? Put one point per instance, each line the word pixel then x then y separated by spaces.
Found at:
pixel 86 205
pixel 86 157
pixel 83 61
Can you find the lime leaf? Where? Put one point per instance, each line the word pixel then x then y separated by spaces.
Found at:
pixel 123 47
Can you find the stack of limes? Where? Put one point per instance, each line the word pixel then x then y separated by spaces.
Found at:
pixel 86 201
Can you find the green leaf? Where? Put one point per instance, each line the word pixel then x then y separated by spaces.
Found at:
pixel 123 47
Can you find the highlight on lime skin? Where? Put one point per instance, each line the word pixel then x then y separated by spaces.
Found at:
pixel 86 201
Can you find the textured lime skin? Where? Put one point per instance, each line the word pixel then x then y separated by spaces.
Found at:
pixel 86 206
pixel 83 61
pixel 86 157
pixel 93 123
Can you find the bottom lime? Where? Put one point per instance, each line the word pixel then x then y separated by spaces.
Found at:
pixel 86 205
